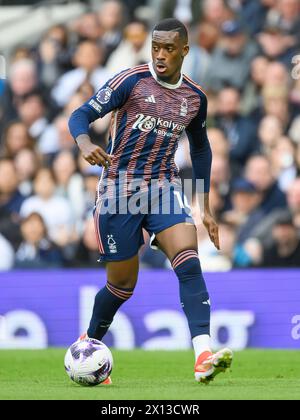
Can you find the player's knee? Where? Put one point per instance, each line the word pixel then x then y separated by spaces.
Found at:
pixel 187 262
pixel 124 283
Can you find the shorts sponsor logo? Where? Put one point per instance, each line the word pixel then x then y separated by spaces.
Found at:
pixel 104 95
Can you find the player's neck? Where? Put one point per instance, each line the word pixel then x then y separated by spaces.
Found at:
pixel 173 83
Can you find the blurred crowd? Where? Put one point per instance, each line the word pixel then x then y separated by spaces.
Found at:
pixel 244 53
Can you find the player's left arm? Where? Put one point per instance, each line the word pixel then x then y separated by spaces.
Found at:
pixel 201 156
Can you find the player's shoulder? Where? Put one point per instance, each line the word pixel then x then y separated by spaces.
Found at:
pixel 129 76
pixel 195 87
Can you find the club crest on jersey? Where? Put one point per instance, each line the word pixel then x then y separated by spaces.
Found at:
pixel 112 245
pixel 184 108
pixel 104 95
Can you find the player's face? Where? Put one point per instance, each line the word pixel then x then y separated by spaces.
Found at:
pixel 168 52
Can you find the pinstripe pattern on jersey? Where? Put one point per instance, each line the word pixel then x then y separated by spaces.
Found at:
pixel 149 153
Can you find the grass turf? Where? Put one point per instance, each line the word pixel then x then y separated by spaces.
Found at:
pixel 256 374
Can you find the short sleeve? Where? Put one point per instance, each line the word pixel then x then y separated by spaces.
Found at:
pixel 113 94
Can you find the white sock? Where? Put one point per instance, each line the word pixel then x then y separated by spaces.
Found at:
pixel 201 344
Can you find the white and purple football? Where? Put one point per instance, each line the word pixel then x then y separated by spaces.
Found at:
pixel 88 362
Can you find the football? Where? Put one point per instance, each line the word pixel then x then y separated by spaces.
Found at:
pixel 88 362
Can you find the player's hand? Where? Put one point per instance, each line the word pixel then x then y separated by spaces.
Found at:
pixel 212 229
pixel 93 154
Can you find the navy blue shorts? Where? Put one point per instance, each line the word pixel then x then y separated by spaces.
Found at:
pixel 119 223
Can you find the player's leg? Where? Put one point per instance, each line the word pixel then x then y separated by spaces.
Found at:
pixel 119 237
pixel 121 281
pixel 179 242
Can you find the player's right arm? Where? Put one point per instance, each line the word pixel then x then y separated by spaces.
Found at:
pixel 111 96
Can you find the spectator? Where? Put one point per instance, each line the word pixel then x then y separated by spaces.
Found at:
pixel 294 131
pixel 263 231
pixel 246 211
pixel 36 249
pixel 187 12
pixel 15 139
pixel 55 210
pixel 10 202
pixel 293 197
pixel 133 50
pixel 286 16
pixel 197 62
pixel 298 159
pixel 286 249
pixel 277 44
pixel 88 60
pixel 216 12
pixel 275 102
pixel 87 253
pixel 253 14
pixel 283 161
pixel 218 143
pixel 23 79
pixel 270 131
pixel 208 36
pixel 240 131
pixel 277 75
pixel 252 94
pixel 33 113
pixel 91 176
pixel 69 183
pixel 53 55
pixel 27 163
pixel 9 194
pixel 87 28
pixel 230 62
pixel 56 137
pixel 220 177
pixel 112 16
pixel 259 172
pixel 2 86
pixel 7 254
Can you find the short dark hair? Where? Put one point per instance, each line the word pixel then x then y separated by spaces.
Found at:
pixel 173 25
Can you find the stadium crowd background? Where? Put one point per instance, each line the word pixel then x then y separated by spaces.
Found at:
pixel 244 55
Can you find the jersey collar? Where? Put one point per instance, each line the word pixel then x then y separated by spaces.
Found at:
pixel 166 85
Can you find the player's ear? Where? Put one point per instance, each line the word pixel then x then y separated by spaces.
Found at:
pixel 185 51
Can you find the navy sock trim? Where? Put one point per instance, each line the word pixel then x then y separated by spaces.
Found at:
pixel 119 292
pixel 184 256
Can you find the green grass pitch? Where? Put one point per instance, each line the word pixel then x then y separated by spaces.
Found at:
pixel 255 374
